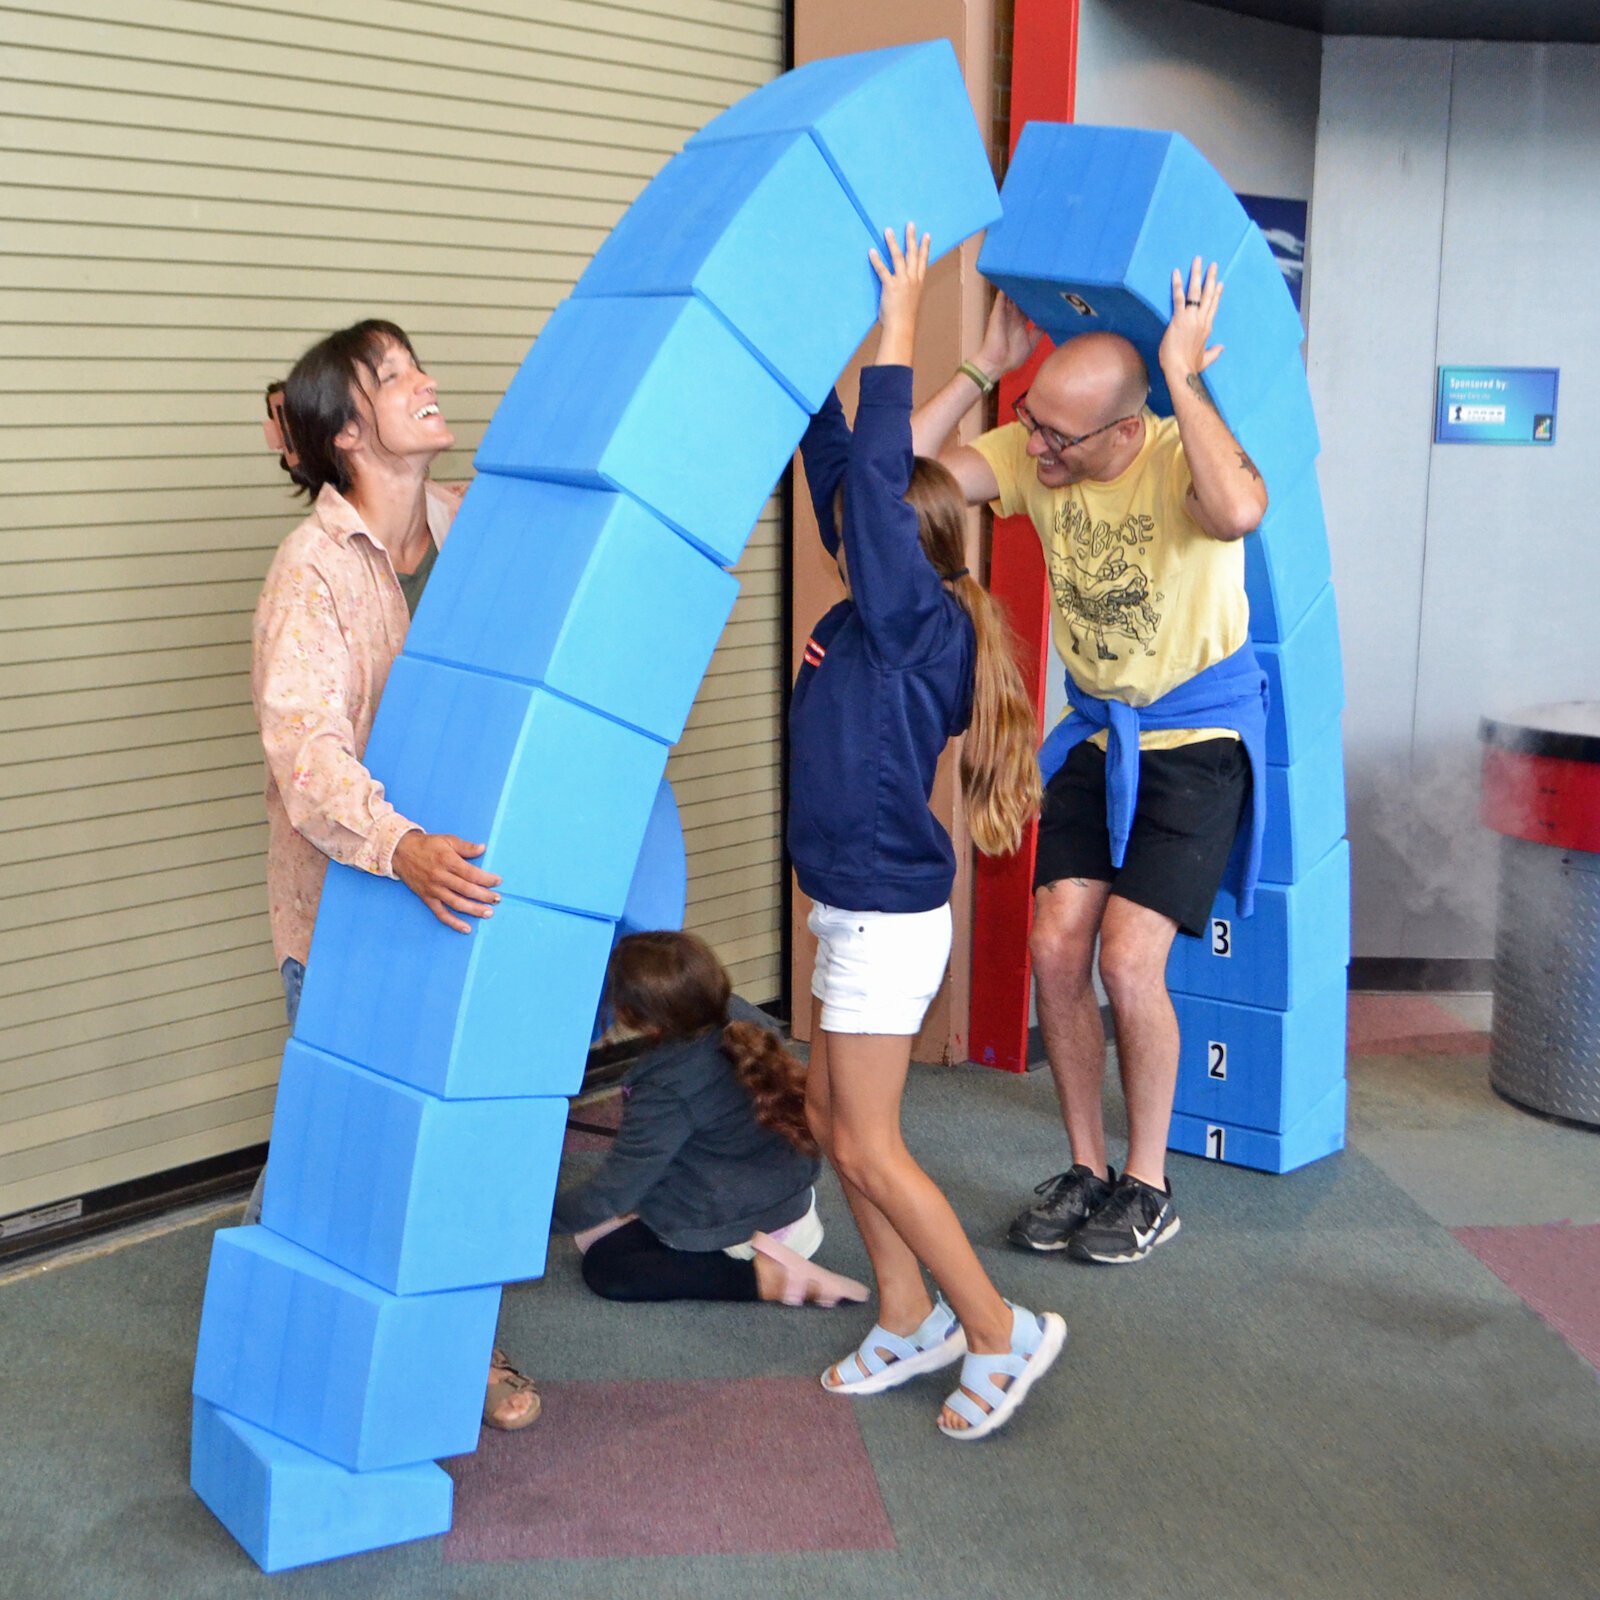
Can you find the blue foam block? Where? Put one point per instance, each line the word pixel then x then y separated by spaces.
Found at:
pixel 1254 1068
pixel 1305 677
pixel 1305 809
pixel 465 1016
pixel 1279 431
pixel 287 1507
pixel 1097 219
pixel 560 795
pixel 897 127
pixel 540 581
pixel 1286 563
pixel 718 221
pixel 1319 1133
pixel 1257 325
pixel 1295 944
pixel 1096 207
pixel 623 393
pixel 413 1193
pixel 660 888
pixel 326 1360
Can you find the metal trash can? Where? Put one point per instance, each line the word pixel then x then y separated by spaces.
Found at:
pixel 1541 791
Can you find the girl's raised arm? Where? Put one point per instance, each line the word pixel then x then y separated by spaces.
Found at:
pixel 825 449
pixel 896 591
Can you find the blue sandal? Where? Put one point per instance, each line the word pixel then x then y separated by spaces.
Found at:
pixel 885 1360
pixel 1035 1343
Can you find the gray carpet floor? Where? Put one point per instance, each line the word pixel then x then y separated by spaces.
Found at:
pixel 1314 1391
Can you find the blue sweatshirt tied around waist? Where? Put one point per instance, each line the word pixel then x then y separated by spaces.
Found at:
pixel 1231 693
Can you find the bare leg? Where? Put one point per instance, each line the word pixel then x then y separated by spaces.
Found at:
pixel 1134 945
pixel 867 1074
pixel 903 1298
pixel 1066 919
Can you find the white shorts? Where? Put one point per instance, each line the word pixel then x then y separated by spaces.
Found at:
pixel 878 971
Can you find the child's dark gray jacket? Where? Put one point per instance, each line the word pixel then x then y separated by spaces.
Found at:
pixel 690 1158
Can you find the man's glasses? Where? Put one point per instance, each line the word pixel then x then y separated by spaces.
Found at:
pixel 1060 441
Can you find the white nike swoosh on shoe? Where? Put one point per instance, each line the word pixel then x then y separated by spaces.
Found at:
pixel 1143 1244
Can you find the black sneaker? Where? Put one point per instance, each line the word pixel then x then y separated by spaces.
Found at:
pixel 1068 1200
pixel 1132 1222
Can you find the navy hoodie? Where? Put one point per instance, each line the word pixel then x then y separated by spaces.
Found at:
pixel 887 676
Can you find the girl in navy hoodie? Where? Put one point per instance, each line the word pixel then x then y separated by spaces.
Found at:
pixel 916 654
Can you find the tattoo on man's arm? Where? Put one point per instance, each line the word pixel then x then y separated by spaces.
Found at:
pixel 1197 386
pixel 1249 466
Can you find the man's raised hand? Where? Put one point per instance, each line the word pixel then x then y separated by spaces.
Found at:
pixel 1194 308
pixel 1008 339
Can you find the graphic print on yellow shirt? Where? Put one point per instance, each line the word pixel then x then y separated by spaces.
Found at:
pixel 1144 599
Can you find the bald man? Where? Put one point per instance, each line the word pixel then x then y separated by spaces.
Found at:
pixel 1152 774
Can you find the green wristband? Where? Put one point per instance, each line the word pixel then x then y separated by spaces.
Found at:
pixel 984 382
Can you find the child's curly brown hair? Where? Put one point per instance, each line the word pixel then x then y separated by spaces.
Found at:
pixel 670 985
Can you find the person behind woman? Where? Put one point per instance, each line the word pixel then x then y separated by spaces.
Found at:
pixel 357 425
pixel 917 653
pixel 707 1193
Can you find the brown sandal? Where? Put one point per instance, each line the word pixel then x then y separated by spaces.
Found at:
pixel 502 1388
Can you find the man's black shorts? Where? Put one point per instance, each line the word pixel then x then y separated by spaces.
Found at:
pixel 1190 800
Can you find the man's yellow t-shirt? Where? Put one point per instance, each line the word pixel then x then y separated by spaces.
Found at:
pixel 1144 598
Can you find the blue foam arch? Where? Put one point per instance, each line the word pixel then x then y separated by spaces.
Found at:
pixel 522 713
pixel 1096 219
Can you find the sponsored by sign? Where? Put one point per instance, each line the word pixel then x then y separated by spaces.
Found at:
pixel 1496 405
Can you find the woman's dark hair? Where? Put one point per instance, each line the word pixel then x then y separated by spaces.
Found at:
pixel 671 986
pixel 319 399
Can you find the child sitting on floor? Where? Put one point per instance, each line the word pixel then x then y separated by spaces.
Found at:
pixel 713 1166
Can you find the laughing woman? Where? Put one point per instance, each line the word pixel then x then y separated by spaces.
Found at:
pixel 357 425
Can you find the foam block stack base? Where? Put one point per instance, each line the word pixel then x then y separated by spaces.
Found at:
pixel 288 1507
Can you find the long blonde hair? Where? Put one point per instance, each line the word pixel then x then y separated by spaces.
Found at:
pixel 999 768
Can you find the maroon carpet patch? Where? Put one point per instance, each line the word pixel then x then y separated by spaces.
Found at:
pixel 668 1468
pixel 1555 1268
pixel 1409 1024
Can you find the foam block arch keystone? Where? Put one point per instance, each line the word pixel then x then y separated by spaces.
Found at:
pixel 345 1341
pixel 1096 219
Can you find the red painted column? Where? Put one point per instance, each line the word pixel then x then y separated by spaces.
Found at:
pixel 1044 71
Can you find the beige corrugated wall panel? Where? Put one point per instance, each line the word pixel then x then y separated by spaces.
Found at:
pixel 191 192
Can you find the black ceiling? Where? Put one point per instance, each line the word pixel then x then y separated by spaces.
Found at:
pixel 1543 21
